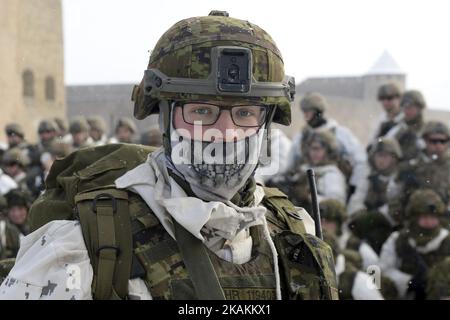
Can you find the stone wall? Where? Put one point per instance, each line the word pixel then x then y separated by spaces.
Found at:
pixel 31 38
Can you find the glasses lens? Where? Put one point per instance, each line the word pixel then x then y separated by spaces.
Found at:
pixel 249 116
pixel 243 116
pixel 206 113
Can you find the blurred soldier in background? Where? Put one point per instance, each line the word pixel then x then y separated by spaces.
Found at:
pixel 321 155
pixel 151 137
pixel 125 131
pixel 430 169
pixel 15 164
pixel 79 129
pixel 47 131
pixel 407 254
pixel 98 130
pixel 352 158
pixel 389 96
pixel 9 234
pixel 18 206
pixel 409 131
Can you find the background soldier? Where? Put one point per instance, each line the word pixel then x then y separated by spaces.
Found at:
pixel 98 130
pixel 125 131
pixel 79 129
pixel 389 96
pixel 352 157
pixel 407 255
pixel 409 131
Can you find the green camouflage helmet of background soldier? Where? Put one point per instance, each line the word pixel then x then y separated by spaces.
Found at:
pixel 424 201
pixel 413 97
pixel 388 145
pixel 313 101
pixel 435 127
pixel 187 65
pixel 389 90
pixel 333 211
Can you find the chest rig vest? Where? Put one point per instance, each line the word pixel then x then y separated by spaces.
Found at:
pixel 125 240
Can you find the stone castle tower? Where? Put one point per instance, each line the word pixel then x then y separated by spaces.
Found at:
pixel 31 63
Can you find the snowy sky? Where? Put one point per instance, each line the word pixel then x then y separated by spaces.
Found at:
pixel 107 41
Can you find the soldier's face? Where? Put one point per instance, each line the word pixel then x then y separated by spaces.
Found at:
pixel 390 103
pixel 317 153
pixel 308 115
pixel 437 144
pixel 411 112
pixel 12 169
pixel 329 226
pixel 18 214
pixel 428 221
pixel 79 138
pixel 47 136
pixel 95 134
pixel 124 134
pixel 14 140
pixel 384 160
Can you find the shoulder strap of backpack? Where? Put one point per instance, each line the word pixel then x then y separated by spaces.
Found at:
pixel 278 203
pixel 106 226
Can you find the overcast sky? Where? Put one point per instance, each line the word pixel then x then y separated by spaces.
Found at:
pixel 107 41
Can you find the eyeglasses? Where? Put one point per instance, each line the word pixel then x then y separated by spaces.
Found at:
pixel 208 114
pixel 436 141
pixel 389 98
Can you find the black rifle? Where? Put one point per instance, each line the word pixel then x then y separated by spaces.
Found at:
pixel 315 203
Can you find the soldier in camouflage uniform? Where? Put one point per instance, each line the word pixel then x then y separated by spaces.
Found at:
pixel 79 129
pixel 9 233
pixel 430 169
pixel 98 130
pixel 125 131
pixel 352 158
pixel 408 254
pixel 334 221
pixel 322 158
pixel 408 132
pixel 389 96
pixel 134 222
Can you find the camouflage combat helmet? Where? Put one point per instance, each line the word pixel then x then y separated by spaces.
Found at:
pixel 327 139
pixel 413 97
pixel 15 128
pixel 389 90
pixel 127 123
pixel 215 58
pixel 388 145
pixel 333 210
pixel 47 125
pixel 16 156
pixel 424 201
pixel 97 123
pixel 435 127
pixel 313 101
pixel 78 124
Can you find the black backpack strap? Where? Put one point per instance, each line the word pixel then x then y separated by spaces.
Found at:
pixel 106 225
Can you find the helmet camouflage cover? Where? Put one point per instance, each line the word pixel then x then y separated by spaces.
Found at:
pixel 424 201
pixel 215 58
